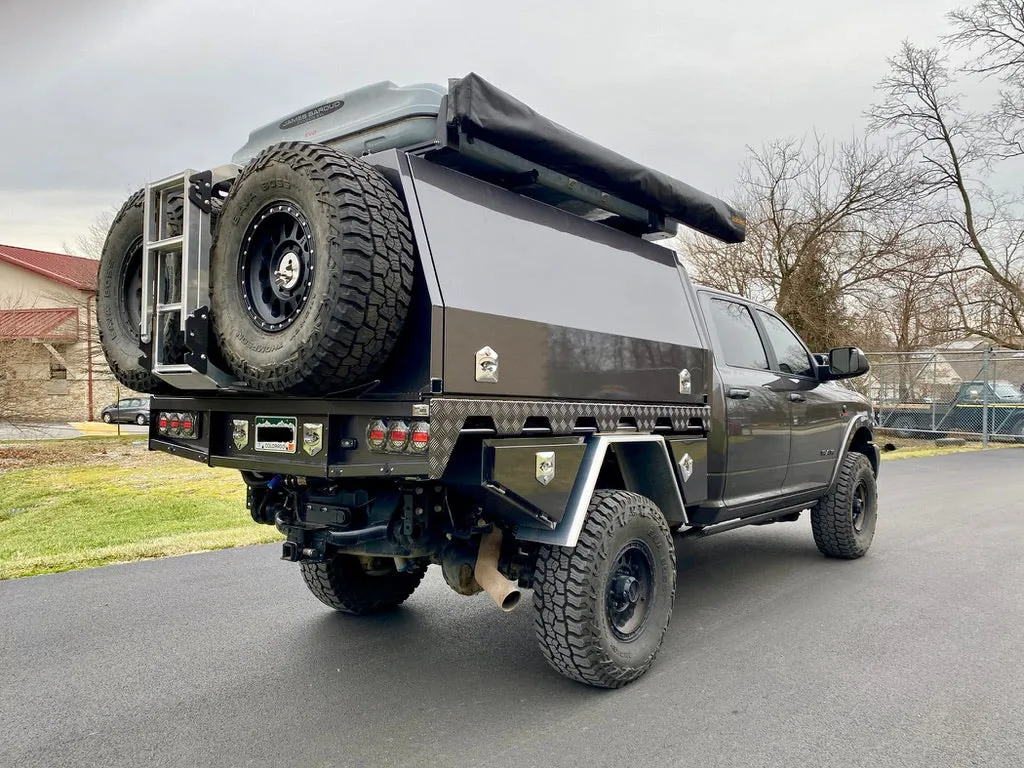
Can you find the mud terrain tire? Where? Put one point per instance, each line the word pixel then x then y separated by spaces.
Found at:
pixel 341 583
pixel 591 624
pixel 311 271
pixel 843 521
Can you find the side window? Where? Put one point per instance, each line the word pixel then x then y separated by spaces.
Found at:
pixel 789 351
pixel 741 343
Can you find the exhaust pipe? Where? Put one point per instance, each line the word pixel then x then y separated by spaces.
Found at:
pixel 504 592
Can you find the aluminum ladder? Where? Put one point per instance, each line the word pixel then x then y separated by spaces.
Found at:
pixel 186 298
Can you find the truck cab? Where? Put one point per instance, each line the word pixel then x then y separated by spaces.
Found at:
pixel 780 421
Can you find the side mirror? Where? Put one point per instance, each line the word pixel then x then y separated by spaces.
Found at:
pixel 846 363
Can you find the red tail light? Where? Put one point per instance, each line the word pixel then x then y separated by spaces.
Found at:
pixel 419 437
pixel 179 425
pixel 398 435
pixel 376 435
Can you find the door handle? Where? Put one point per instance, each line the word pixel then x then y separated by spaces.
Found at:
pixel 796 397
pixel 738 394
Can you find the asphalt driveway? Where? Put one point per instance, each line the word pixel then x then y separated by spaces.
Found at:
pixel 776 657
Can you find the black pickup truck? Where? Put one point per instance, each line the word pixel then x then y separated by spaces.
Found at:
pixel 428 327
pixel 994 408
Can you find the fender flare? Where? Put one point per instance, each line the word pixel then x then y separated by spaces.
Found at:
pixel 647 468
pixel 861 420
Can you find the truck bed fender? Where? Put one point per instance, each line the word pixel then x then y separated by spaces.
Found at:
pixel 647 469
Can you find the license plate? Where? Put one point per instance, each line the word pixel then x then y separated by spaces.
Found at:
pixel 276 434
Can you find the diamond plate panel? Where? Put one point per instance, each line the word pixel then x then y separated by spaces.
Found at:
pixel 448 415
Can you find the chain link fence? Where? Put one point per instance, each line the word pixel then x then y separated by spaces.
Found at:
pixel 947 395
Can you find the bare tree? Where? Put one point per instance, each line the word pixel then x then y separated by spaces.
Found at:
pixel 954 150
pixel 993 31
pixel 825 223
pixel 89 244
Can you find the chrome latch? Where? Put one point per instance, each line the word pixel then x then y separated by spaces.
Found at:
pixel 684 382
pixel 487 366
pixel 686 466
pixel 240 433
pixel 312 438
pixel 545 467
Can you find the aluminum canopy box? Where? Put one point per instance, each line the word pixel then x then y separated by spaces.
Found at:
pixel 475 128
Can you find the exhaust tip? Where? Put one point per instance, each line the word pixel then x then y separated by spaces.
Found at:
pixel 511 600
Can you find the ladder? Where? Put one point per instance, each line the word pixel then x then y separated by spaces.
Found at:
pixel 180 304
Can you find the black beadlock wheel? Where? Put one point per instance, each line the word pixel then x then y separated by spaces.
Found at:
pixel 311 271
pixel 603 606
pixel 119 297
pixel 843 521
pixel 343 583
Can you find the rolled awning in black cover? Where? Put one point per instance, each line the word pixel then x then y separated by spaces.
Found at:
pixel 483 111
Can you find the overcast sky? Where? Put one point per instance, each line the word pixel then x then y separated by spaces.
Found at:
pixel 99 96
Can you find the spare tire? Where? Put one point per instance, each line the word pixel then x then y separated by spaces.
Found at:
pixel 119 296
pixel 311 271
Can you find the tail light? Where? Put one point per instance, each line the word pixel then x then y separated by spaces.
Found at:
pixel 398 436
pixel 184 425
pixel 419 436
pixel 376 435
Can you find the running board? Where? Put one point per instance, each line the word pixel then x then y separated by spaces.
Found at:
pixel 764 517
pixel 184 299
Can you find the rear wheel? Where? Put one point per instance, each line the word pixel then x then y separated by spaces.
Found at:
pixel 312 271
pixel 357 587
pixel 844 520
pixel 603 606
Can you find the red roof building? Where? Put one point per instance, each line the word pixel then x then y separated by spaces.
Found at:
pixel 72 271
pixel 51 324
pixel 51 362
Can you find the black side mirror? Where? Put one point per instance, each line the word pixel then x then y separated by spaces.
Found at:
pixel 846 363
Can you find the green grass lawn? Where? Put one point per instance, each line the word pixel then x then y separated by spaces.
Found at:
pixel 68 504
pixel 923 449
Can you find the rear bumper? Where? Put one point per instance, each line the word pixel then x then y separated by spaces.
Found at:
pixel 324 439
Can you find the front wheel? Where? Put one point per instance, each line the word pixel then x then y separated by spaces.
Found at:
pixel 603 606
pixel 843 521
pixel 107 418
pixel 360 586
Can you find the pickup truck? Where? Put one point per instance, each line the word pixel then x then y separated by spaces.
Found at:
pixel 979 407
pixel 428 326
